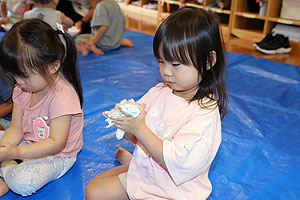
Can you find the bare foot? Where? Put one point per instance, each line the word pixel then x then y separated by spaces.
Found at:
pixel 3 188
pixel 123 156
pixel 84 52
pixel 80 48
pixel 96 50
pixel 126 42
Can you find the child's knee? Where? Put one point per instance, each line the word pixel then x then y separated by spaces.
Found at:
pixel 92 192
pixel 22 182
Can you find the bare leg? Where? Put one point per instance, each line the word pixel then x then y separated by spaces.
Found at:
pixel 126 42
pixel 3 188
pixel 123 156
pixel 107 185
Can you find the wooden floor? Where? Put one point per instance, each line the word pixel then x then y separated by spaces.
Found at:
pixel 147 24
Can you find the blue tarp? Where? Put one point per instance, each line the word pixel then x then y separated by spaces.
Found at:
pixel 259 157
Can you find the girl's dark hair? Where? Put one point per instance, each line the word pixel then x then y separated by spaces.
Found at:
pixel 188 36
pixel 32 44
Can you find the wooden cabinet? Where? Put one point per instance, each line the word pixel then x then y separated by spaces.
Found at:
pixel 237 20
pixel 251 25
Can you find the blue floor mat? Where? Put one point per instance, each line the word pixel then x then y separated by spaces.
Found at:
pixel 259 157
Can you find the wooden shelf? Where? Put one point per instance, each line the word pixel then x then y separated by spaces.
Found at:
pixel 237 21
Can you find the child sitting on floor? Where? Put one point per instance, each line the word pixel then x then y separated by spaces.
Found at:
pixel 107 26
pixel 12 11
pixel 45 134
pixel 178 130
pixel 46 10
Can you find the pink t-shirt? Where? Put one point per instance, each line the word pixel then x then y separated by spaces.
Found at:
pixel 60 100
pixel 191 137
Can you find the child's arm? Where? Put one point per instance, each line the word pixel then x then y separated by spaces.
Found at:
pixel 27 8
pixel 5 20
pixel 59 130
pixel 90 43
pixel 68 22
pixel 144 135
pixel 99 34
pixel 14 134
pixel 88 16
pixel 6 108
pixel 130 137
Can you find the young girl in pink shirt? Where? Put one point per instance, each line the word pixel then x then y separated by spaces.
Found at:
pixel 178 130
pixel 45 133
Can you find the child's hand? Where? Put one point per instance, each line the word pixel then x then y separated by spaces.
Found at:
pixel 130 124
pixel 7 151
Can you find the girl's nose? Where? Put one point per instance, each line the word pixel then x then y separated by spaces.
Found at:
pixel 167 70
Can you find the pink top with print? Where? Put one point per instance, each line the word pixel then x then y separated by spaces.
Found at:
pixel 60 100
pixel 191 137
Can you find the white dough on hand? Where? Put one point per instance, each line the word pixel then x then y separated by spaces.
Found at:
pixel 130 109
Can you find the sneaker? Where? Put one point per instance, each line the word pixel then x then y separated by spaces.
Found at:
pixel 265 40
pixel 276 45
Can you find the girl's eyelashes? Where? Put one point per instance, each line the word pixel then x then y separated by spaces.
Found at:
pixel 172 63
pixel 176 64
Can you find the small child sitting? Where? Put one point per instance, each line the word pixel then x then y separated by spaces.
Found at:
pixel 107 30
pixel 46 10
pixel 12 11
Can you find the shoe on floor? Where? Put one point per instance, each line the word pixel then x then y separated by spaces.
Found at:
pixel 277 44
pixel 265 40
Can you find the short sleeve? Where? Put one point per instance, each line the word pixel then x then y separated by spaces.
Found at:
pixel 26 15
pixel 17 95
pixel 150 95
pixel 100 17
pixel 190 152
pixel 65 102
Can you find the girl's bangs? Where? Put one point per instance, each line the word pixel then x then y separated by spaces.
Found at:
pixel 175 49
pixel 19 60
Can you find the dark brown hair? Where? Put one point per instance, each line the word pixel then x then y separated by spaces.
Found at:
pixel 32 44
pixel 188 36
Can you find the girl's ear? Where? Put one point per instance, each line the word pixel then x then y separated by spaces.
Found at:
pixel 53 67
pixel 213 59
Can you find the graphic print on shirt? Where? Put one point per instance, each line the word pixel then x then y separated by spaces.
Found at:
pixel 153 112
pixel 141 156
pixel 21 9
pixel 164 129
pixel 40 129
pixel 156 165
pixel 40 16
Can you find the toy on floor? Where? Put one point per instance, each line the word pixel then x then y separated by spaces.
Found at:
pixel 129 107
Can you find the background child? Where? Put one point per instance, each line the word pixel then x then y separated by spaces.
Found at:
pixel 80 11
pixel 107 26
pixel 179 130
pixel 47 119
pixel 46 10
pixel 12 11
pixel 5 101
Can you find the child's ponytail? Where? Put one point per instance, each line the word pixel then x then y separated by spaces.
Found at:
pixel 32 44
pixel 69 67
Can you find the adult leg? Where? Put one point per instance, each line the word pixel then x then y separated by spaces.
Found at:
pixel 107 185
